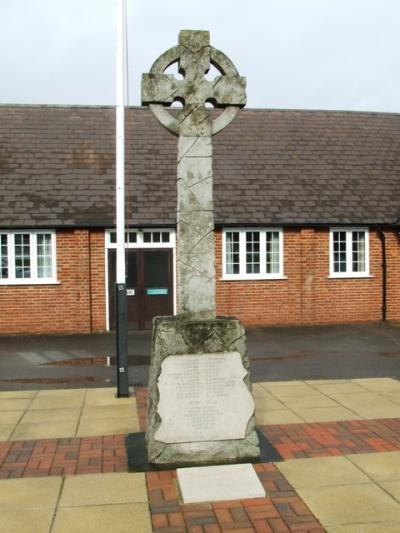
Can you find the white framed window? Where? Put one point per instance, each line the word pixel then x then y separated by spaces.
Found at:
pixel 349 252
pixel 252 253
pixel 146 238
pixel 27 257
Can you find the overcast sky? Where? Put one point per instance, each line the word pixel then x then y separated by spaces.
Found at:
pixel 315 54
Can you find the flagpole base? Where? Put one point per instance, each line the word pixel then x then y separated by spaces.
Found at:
pixel 122 341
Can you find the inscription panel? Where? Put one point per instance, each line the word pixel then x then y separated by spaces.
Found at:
pixel 203 398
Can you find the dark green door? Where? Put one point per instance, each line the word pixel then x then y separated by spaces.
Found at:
pixel 149 284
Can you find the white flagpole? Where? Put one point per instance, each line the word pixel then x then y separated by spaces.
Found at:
pixel 120 145
pixel 121 318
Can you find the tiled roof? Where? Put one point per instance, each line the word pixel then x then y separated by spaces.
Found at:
pixel 270 167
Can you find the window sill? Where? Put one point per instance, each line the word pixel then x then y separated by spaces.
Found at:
pixel 15 283
pixel 350 276
pixel 261 278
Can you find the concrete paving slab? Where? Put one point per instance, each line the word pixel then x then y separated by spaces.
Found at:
pixel 264 392
pixel 379 384
pixel 109 411
pixel 325 414
pixel 54 393
pixel 350 504
pixel 265 403
pixel 279 416
pixel 124 518
pixel 100 489
pixel 393 396
pixel 325 381
pixel 321 472
pixel 378 411
pixel 392 487
pixel 379 466
pixel 104 392
pixel 258 390
pixel 106 396
pixel 51 415
pixel 289 388
pixel 368 404
pixel 309 401
pixel 107 426
pixel 56 402
pixel 15 404
pixel 44 430
pixel 23 521
pixel 381 527
pixel 10 417
pixel 6 431
pixel 17 394
pixel 29 493
pixel 334 389
pixel 219 483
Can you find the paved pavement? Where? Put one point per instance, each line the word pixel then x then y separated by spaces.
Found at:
pixel 276 354
pixel 64 465
pixel 64 458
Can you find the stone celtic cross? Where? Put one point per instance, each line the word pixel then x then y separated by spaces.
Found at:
pixel 195 125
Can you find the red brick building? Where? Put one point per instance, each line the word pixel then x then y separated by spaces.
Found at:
pixel 306 214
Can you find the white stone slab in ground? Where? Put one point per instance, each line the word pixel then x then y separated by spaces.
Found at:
pixel 215 483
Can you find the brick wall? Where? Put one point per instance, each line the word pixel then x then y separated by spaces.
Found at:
pixel 75 305
pixel 98 287
pixel 308 295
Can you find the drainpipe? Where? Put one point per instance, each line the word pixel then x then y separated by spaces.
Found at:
pixel 381 236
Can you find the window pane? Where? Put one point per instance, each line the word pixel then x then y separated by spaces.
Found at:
pixel 44 255
pixel 272 252
pixel 339 251
pixel 165 236
pixel 128 237
pixel 232 252
pixel 22 255
pixel 147 236
pixel 3 257
pixel 358 251
pixel 252 252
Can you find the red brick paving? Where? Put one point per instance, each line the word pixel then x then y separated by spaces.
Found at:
pixel 56 457
pixel 49 457
pixel 334 438
pixel 282 511
pixel 107 454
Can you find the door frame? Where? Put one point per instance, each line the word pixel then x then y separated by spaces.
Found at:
pixel 135 239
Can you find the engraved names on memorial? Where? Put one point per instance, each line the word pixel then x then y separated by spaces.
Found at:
pixel 203 398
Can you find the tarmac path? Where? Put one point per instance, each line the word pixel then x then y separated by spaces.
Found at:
pixel 276 354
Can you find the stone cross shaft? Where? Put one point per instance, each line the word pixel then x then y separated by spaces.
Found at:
pixel 195 126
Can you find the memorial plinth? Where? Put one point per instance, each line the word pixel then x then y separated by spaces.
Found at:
pixel 201 410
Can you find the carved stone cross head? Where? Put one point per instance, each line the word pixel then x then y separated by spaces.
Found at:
pixel 194 56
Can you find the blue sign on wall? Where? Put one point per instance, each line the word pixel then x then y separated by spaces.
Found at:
pixel 159 291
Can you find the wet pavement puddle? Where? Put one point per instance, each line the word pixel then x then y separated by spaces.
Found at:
pixel 57 381
pixel 133 360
